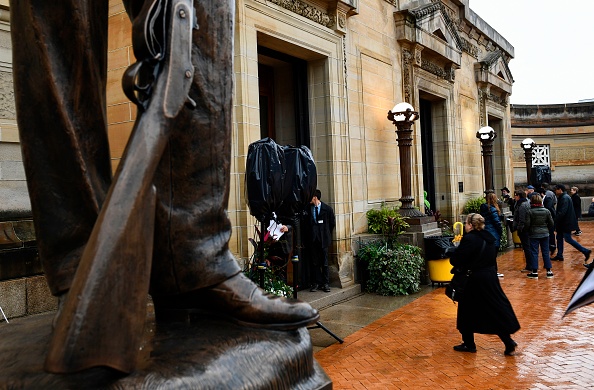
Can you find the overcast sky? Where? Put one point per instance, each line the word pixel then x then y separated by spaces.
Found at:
pixel 553 47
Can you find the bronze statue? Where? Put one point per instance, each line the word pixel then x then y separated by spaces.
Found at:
pixel 160 225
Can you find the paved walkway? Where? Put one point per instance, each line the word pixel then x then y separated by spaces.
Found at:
pixel 411 348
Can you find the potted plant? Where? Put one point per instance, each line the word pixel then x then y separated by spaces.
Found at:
pixel 386 266
pixel 393 269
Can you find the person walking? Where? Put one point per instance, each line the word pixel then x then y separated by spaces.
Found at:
pixel 565 223
pixel 577 208
pixel 484 308
pixel 538 223
pixel 521 209
pixel 322 223
pixel 491 213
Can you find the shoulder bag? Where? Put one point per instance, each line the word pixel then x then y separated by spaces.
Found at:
pixel 455 289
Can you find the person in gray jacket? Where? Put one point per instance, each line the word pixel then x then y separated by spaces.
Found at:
pixel 538 224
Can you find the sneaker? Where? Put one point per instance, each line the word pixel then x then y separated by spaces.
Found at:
pixel 578 233
pixel 557 258
pixel 499 275
pixel 549 274
pixel 314 288
pixel 533 275
pixel 525 270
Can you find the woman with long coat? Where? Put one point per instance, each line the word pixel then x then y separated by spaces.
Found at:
pixel 485 308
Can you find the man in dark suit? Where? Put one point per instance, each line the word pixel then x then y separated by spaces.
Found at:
pixel 322 222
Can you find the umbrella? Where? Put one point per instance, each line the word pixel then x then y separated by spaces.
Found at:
pixel 584 293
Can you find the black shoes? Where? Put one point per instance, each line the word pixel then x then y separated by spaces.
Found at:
pixel 315 287
pixel 463 348
pixel 510 349
pixel 557 258
pixel 587 253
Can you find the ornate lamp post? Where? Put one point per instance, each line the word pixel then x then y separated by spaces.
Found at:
pixel 486 135
pixel 403 116
pixel 528 145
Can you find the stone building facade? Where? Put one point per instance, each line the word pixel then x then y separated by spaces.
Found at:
pixel 564 135
pixel 324 73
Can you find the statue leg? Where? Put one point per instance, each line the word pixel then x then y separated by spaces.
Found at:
pixel 192 265
pixel 59 71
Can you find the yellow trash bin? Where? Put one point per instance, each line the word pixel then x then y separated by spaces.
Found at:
pixel 516 238
pixel 439 270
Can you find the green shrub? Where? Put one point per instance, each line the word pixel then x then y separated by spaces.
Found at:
pixel 473 205
pixel 386 221
pixel 503 241
pixel 392 271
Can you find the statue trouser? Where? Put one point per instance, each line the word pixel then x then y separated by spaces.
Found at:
pixel 60 73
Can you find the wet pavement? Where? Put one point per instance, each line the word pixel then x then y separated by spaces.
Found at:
pixel 406 342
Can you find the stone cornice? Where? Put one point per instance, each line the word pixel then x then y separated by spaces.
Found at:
pixel 552 115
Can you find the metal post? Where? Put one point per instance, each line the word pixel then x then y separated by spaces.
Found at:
pixel 403 117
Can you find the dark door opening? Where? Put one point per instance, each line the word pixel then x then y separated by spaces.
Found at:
pixel 284 114
pixel 426 121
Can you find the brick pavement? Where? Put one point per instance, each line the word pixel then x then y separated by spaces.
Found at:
pixel 411 348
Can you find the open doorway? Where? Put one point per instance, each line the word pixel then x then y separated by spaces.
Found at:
pixel 433 122
pixel 283 97
pixel 499 174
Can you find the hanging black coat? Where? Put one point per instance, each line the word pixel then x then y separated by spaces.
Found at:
pixel 485 308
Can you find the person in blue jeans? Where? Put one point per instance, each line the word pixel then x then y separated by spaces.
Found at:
pixel 565 223
pixel 538 223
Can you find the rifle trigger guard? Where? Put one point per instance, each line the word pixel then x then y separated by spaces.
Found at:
pixel 130 86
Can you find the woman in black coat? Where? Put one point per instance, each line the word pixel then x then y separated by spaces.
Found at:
pixel 484 309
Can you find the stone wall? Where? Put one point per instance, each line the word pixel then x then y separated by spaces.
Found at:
pixel 568 130
pixel 362 57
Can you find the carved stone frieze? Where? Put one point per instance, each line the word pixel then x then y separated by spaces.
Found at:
pixel 434 69
pixel 7 106
pixel 482 95
pixel 306 10
pixel 406 74
pixel 418 57
pixel 501 100
pixel 470 48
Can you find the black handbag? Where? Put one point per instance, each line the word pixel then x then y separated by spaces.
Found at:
pixel 456 288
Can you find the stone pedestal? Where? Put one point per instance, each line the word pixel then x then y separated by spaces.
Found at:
pixel 420 227
pixel 208 353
